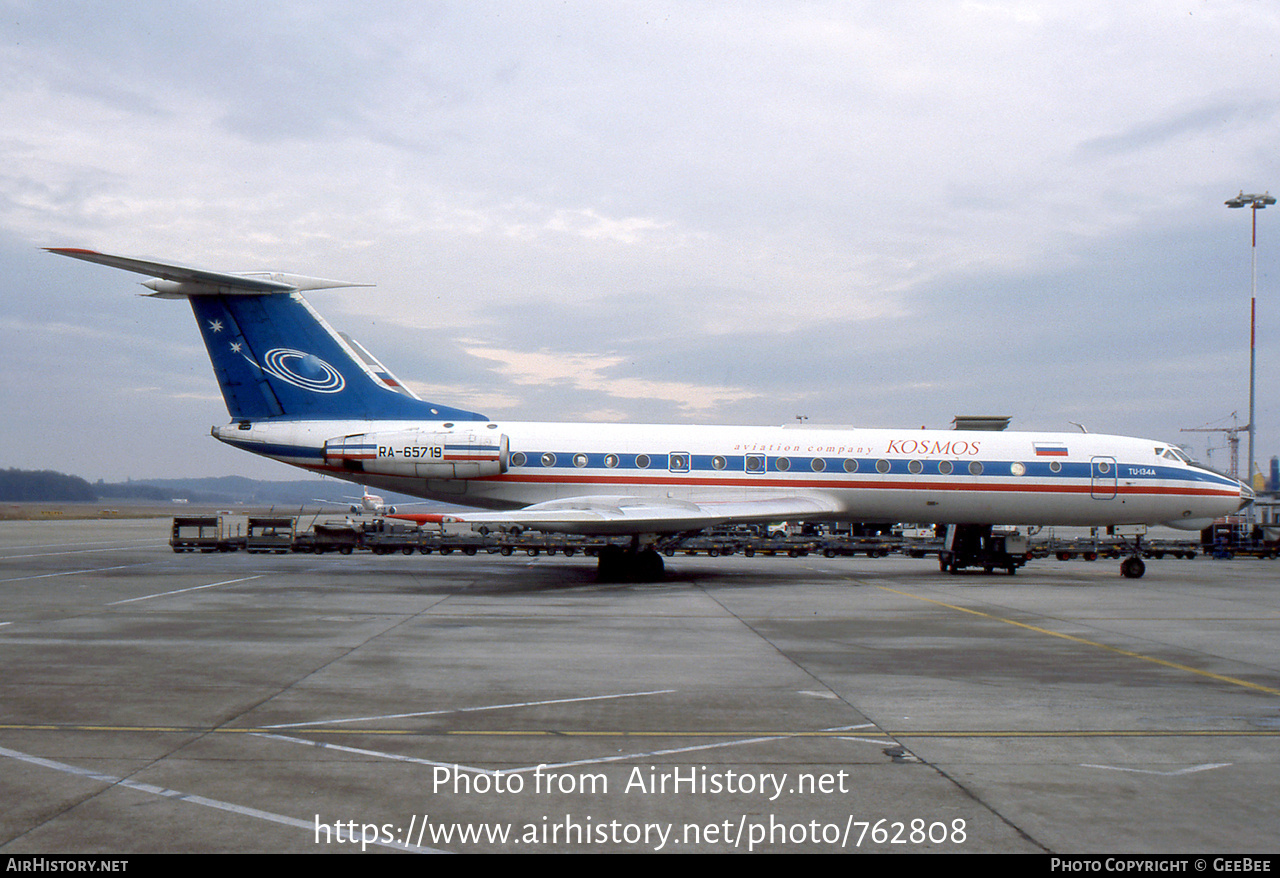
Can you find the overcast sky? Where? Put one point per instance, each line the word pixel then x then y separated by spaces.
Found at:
pixel 881 214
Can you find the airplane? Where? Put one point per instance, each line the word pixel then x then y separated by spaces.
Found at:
pixel 374 504
pixel 303 394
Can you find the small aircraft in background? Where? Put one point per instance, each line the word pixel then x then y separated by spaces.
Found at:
pixel 372 504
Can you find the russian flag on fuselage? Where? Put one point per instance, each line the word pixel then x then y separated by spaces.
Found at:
pixel 1050 449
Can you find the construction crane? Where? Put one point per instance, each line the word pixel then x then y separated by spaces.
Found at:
pixel 1233 441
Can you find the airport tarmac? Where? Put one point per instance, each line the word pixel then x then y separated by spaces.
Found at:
pixel 248 703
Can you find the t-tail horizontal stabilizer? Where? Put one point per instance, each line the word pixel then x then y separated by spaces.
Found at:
pixel 177 281
pixel 275 357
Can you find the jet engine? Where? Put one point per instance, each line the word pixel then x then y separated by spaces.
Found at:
pixel 421 454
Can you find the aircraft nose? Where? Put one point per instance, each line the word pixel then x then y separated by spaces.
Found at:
pixel 1246 496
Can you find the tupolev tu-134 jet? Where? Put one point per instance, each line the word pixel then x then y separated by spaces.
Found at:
pixel 301 393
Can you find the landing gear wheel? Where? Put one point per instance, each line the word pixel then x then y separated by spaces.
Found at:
pixel 1132 568
pixel 649 566
pixel 617 564
pixel 609 564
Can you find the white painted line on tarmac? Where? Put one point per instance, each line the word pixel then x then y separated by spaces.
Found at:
pixel 389 716
pixel 396 757
pixel 677 750
pixel 618 757
pixel 149 543
pixel 165 594
pixel 649 754
pixel 877 741
pixel 204 801
pixel 76 572
pixel 1190 769
pixel 381 754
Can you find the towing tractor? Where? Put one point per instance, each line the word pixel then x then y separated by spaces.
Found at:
pixel 982 545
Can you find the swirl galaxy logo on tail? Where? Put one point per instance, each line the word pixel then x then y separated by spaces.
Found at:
pixel 302 370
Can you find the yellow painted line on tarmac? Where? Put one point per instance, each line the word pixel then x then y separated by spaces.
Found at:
pixel 1221 678
pixel 888 738
pixel 184 730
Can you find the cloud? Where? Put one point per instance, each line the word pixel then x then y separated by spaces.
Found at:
pixel 1213 120
pixel 582 372
pixel 714 212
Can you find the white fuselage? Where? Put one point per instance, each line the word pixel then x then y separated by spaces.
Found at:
pixel 951 477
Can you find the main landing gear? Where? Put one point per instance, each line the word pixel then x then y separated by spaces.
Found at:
pixel 630 564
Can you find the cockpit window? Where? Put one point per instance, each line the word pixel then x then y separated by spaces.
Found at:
pixel 1172 452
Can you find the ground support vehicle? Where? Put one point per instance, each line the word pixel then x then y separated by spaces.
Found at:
pixel 1234 539
pixel 873 546
pixel 335 535
pixel 1091 548
pixel 202 533
pixel 991 548
pixel 981 545
pixel 274 534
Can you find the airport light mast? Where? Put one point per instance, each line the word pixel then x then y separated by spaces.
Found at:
pixel 1255 203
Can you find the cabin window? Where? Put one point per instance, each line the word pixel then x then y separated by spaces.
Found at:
pixel 549 459
pixel 518 459
pixel 755 463
pixel 818 465
pixel 781 464
pixel 850 465
pixel 718 462
pixel 945 467
pixel 611 460
pixel 579 459
pixel 975 468
pixel 915 467
pixel 882 466
pixel 1018 468
pixel 642 461
pixel 678 462
pixel 1055 466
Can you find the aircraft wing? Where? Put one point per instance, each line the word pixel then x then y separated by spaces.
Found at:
pixel 621 515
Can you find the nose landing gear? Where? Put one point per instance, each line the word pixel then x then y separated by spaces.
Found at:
pixel 1132 567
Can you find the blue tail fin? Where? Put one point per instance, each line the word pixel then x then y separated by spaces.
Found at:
pixel 275 357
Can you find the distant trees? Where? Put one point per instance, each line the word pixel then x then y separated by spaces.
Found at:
pixel 46 486
pixel 33 486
